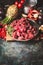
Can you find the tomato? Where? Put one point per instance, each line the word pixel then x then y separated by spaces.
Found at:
pixel 16 3
pixel 22 1
pixel 19 5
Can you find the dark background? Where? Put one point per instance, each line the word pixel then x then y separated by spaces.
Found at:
pixel 40 2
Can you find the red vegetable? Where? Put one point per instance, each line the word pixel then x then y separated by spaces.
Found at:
pixel 22 1
pixel 16 3
pixel 19 5
pixel 2 32
pixel 33 14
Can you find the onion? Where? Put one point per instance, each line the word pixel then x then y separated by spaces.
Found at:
pixel 12 12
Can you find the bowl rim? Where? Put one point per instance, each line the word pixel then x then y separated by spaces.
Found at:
pixel 27 39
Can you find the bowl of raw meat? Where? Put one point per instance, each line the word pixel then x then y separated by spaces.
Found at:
pixel 24 29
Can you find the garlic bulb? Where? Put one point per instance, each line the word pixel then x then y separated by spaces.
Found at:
pixel 26 9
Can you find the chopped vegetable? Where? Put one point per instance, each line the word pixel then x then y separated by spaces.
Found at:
pixel 23 29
